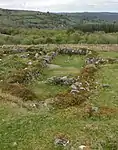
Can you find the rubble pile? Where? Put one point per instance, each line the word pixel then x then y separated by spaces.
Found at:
pixel 77 87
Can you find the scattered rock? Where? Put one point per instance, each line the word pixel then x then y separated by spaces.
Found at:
pixel 95 109
pixel 14 144
pixel 25 68
pixel 77 87
pixel 53 66
pixel 36 55
pixel 18 50
pixel 30 63
pixel 47 59
pixel 23 56
pixel 61 140
pixel 74 87
pixel 74 91
pixel 106 86
pixel 83 147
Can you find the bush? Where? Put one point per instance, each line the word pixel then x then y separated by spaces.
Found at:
pixel 70 36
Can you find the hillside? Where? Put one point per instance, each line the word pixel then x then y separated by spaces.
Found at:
pixel 16 18
pixel 93 17
pixel 20 18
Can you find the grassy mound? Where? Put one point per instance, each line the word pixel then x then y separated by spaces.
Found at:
pixel 19 91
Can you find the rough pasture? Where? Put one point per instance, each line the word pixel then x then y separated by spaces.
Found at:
pixel 59 97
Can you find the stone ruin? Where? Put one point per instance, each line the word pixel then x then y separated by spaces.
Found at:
pixel 18 50
pixel 101 61
pixel 71 51
pixel 95 61
pixel 61 80
pixel 78 86
pixel 48 58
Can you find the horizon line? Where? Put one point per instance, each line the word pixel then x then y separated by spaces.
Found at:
pixel 20 9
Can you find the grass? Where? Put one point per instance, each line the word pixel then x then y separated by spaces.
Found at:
pixel 66 61
pixel 45 91
pixel 21 129
pixel 30 131
pixel 65 66
pixel 109 96
pixel 63 71
pixel 109 54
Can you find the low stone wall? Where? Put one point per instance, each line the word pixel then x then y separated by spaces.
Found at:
pixel 61 80
pixel 98 61
pixel 70 51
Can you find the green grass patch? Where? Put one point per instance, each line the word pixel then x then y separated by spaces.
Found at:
pixel 32 131
pixel 109 54
pixel 107 96
pixel 45 91
pixel 65 66
pixel 67 61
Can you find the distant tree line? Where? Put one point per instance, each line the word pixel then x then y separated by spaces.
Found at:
pixel 91 27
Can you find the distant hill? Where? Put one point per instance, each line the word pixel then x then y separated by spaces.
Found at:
pixel 93 16
pixel 29 19
pixel 20 18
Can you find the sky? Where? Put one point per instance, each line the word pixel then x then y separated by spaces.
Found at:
pixel 62 5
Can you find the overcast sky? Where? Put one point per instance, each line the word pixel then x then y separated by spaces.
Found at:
pixel 62 5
